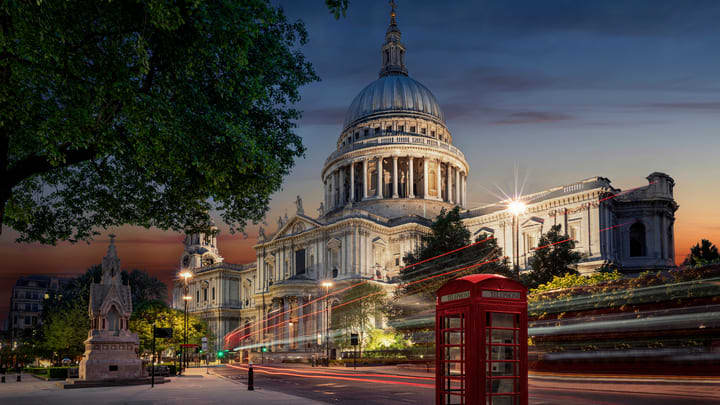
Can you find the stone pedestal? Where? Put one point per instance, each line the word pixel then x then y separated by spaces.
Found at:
pixel 111 355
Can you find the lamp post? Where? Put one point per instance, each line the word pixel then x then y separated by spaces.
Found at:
pixel 516 208
pixel 327 285
pixel 186 275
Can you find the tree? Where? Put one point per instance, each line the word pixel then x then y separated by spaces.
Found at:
pixel 159 314
pixel 357 308
pixel 145 113
pixel 144 287
pixel 64 331
pixel 554 256
pixel 702 253
pixel 448 233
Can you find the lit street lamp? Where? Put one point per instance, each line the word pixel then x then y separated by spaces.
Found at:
pixel 186 275
pixel 516 208
pixel 327 285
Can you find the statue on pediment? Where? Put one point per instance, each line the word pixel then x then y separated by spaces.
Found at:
pixel 299 205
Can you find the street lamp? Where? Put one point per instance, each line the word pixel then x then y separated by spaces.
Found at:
pixel 516 208
pixel 186 275
pixel 327 285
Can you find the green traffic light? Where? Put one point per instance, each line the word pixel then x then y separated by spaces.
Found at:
pixel 264 349
pixel 221 353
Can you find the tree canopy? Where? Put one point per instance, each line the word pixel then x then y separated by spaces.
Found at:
pixel 554 256
pixel 157 313
pixel 145 113
pixel 702 253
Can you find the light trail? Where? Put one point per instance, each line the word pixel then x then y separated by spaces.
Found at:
pixel 245 327
pixel 625 192
pixel 369 295
pixel 406 377
pixel 232 334
pixel 331 376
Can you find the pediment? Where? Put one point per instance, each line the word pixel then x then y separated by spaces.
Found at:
pixel 334 243
pixel 294 226
pixel 379 242
pixel 484 229
pixel 532 221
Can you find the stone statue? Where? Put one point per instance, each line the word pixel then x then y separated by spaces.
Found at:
pixel 298 204
pixel 280 223
pixel 321 210
pixel 261 234
pixel 110 349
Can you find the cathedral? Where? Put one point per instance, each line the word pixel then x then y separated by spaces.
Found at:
pixel 393 170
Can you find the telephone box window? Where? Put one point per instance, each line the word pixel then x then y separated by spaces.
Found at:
pixel 501 354
pixel 453 359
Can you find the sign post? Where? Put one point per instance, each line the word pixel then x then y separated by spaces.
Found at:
pixel 163 333
pixel 354 342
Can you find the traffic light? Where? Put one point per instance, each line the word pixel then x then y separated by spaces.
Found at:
pixel 221 354
pixel 264 349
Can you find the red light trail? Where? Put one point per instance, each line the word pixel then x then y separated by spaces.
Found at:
pixel 333 376
pixel 234 333
pixel 245 327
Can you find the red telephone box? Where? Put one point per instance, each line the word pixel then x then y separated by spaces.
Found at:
pixel 481 342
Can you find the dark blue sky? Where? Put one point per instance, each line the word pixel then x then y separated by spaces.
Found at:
pixel 564 89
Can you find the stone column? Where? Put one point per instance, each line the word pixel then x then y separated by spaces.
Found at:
pixel 458 187
pixel 425 178
pixel 341 187
pixel 352 182
pixel 464 190
pixel 379 193
pixel 333 189
pixel 395 177
pixel 365 179
pixel 286 338
pixel 411 178
pixel 438 179
pixel 448 180
pixel 300 321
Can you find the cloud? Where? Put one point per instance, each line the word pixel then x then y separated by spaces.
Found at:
pixel 532 117
pixel 711 106
pixel 324 116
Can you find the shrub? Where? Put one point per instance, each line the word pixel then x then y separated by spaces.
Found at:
pixel 58 372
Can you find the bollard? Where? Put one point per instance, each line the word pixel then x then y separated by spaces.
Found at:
pixel 250 378
pixel 18 378
pixel 3 378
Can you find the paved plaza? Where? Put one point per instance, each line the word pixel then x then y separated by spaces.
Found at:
pixel 196 388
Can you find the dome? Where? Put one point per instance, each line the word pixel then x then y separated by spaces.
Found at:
pixel 393 93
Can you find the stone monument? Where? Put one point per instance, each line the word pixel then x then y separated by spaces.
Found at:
pixel 111 350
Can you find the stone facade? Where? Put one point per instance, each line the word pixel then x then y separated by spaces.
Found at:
pixel 394 169
pixel 111 350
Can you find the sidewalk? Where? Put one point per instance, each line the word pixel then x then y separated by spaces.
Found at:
pixel 194 388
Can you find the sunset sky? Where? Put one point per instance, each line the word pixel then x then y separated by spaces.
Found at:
pixel 565 90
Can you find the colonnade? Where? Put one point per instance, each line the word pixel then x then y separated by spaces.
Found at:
pixel 399 177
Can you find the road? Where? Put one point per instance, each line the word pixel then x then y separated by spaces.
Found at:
pixel 366 387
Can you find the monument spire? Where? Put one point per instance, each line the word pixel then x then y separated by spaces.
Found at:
pixel 393 51
pixel 111 264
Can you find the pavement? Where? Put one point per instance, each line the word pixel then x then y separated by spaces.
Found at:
pixel 195 388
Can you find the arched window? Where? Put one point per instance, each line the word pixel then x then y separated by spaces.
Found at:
pixel 671 247
pixel 637 240
pixel 335 273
